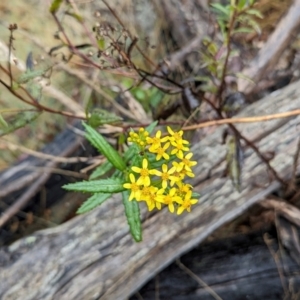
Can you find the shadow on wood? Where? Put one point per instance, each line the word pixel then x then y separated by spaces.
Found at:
pixel 241 267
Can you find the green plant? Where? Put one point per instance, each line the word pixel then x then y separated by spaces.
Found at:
pixel 151 170
pixel 237 17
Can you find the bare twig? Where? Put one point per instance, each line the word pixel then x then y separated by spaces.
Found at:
pixel 244 120
pixel 228 49
pixel 52 170
pixel 22 200
pixel 290 212
pixel 268 242
pixel 249 144
pixel 98 90
pixel 132 38
pixel 295 164
pixel 198 279
pixel 67 160
pixel 37 104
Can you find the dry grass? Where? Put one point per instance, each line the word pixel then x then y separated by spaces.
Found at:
pixel 36 30
pixel 68 83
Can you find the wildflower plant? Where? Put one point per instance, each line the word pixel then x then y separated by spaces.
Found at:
pixel 152 171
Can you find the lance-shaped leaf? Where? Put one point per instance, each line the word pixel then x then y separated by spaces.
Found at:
pixel 131 152
pixel 151 127
pixel 99 142
pixel 112 185
pixel 221 9
pixel 2 122
pixel 55 6
pixel 100 116
pixel 132 212
pixel 20 120
pixel 101 170
pixel 93 202
pixel 234 161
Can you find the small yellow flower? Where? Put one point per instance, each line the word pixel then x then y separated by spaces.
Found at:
pixel 144 173
pixel 170 199
pixel 175 136
pixel 134 187
pixel 156 141
pixel 183 188
pixel 139 138
pixel 178 166
pixel 179 147
pixel 166 175
pixel 187 163
pixel 183 173
pixel 176 198
pixel 186 203
pixel 132 137
pixel 161 151
pixel 151 199
pixel 146 191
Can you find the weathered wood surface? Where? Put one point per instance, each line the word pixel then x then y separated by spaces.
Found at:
pixel 21 175
pixel 269 55
pixel 94 257
pixel 241 267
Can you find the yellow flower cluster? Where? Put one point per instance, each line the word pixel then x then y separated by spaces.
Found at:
pixel 162 184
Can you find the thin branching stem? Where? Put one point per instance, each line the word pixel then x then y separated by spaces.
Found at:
pixel 36 104
pixel 11 28
pixel 228 49
pixel 249 144
pixel 130 35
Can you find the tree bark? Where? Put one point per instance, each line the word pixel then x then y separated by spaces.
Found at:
pixel 94 257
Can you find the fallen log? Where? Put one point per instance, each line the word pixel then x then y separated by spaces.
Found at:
pixel 240 267
pixel 94 257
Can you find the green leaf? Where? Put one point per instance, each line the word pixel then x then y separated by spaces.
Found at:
pixel 157 164
pixel 132 212
pixel 221 9
pixel 195 195
pixel 241 4
pixel 241 75
pixel 100 116
pixel 234 161
pixel 76 16
pixel 243 30
pixel 253 24
pixel 55 6
pixel 110 185
pixel 101 44
pixel 29 75
pixel 140 94
pixel 131 152
pixel 212 48
pixel 2 122
pixel 20 120
pixel 101 170
pixel 92 202
pixel 255 13
pixel 117 174
pixel 151 127
pixel 99 142
pixel 156 97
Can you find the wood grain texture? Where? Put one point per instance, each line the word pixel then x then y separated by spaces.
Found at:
pixel 240 267
pixel 93 256
pixel 268 56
